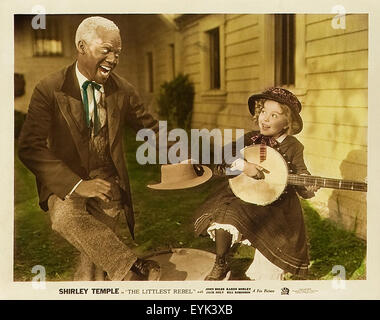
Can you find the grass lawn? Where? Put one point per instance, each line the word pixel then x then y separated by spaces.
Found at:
pixel 164 219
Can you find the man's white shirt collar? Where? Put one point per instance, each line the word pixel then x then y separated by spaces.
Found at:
pixel 81 79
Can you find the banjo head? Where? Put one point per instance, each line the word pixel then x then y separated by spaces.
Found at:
pixel 267 190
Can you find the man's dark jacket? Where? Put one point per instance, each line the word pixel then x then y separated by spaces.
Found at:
pixel 54 140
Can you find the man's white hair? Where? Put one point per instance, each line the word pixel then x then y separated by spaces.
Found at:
pixel 87 29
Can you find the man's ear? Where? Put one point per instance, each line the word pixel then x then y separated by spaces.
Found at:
pixel 81 46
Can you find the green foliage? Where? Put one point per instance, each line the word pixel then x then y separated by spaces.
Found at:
pixel 175 102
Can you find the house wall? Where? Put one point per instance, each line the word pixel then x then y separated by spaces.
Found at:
pixel 336 113
pixel 240 46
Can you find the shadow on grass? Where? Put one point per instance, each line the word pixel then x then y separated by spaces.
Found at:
pixel 330 245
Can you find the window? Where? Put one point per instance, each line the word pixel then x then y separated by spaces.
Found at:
pixel 211 48
pixel 214 58
pixel 284 49
pixel 47 42
pixel 150 71
pixel 172 59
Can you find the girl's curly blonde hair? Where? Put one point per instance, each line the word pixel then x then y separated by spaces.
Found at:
pixel 292 125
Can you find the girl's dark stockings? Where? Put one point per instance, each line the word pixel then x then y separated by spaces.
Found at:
pixel 223 241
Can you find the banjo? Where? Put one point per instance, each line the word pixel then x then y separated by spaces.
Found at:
pixel 277 177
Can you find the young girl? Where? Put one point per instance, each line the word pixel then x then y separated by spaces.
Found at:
pixel 277 230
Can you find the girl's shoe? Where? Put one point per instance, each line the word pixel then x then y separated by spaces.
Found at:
pixel 220 271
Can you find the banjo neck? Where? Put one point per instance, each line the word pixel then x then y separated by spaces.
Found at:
pixel 306 180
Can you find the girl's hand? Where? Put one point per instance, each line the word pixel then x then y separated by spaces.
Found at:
pixel 312 188
pixel 250 169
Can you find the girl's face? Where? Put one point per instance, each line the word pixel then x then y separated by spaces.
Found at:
pixel 272 120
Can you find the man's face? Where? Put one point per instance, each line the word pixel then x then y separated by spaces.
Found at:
pixel 100 55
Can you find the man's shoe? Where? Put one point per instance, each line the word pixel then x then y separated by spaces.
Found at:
pixel 220 271
pixel 147 269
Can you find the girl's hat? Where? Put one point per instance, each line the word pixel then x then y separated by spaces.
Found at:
pixel 282 96
pixel 182 176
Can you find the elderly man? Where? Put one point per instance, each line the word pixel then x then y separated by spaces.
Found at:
pixel 72 142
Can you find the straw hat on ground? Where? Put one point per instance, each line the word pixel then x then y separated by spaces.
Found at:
pixel 182 176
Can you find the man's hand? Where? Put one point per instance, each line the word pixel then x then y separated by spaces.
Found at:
pixel 95 188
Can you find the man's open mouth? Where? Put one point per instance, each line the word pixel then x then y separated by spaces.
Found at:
pixel 105 70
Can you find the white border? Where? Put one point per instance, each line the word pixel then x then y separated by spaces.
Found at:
pixel 355 289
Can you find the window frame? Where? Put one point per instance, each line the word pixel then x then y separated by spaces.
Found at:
pixel 284 48
pixel 214 58
pixel 206 25
pixel 44 40
pixel 268 54
pixel 172 60
pixel 150 71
